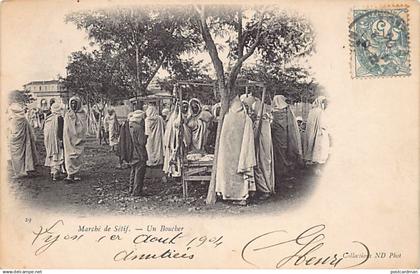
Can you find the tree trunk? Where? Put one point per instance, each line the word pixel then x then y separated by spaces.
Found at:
pixel 224 94
pixel 139 89
pixel 226 87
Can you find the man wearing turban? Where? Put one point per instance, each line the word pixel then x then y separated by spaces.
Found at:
pixel 139 157
pixel 74 133
pixel 317 139
pixel 154 129
pixel 112 127
pixel 53 140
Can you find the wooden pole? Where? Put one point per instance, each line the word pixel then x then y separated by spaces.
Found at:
pixel 261 113
pixel 181 147
pixel 89 122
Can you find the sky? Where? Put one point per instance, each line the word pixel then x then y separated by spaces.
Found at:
pixel 36 42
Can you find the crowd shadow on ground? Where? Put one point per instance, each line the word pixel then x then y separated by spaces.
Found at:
pixel 104 190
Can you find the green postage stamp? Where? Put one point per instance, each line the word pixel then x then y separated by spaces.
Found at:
pixel 380 42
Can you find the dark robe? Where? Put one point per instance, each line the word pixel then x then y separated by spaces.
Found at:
pixel 139 138
pixel 125 143
pixel 286 143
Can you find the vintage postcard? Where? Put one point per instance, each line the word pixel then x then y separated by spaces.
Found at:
pixel 219 134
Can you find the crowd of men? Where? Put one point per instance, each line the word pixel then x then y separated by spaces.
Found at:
pixel 260 143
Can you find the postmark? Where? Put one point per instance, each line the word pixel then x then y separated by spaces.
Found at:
pixel 380 42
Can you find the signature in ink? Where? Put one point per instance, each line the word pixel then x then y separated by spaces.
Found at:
pixel 304 250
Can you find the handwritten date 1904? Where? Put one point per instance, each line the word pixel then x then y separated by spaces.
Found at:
pixel 304 250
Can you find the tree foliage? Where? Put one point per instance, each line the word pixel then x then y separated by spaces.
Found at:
pixel 264 34
pixel 189 70
pixel 294 82
pixel 20 96
pixel 97 76
pixel 144 39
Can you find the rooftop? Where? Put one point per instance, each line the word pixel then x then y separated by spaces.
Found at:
pixel 47 82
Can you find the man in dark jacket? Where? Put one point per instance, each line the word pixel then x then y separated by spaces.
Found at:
pixel 139 158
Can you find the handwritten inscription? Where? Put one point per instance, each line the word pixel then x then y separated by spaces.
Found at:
pixel 45 238
pixel 169 253
pixel 304 249
pixel 150 238
pixel 162 242
pixel 150 242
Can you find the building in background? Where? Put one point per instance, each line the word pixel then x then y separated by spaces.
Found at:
pixel 155 94
pixel 44 92
pixel 154 88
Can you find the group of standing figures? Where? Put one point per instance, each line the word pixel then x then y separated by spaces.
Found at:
pixel 64 135
pixel 256 153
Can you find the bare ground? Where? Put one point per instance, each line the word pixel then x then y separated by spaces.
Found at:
pixel 104 190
